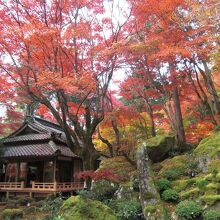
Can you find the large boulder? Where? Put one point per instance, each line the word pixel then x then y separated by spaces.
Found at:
pixel 83 209
pixel 208 153
pixel 209 146
pixel 158 147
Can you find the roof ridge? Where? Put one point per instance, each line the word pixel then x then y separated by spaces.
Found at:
pixel 53 146
pixel 56 125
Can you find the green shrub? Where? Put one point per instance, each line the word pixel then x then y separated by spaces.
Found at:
pixel 212 215
pixel 52 206
pixel 12 214
pixel 104 190
pixel 163 184
pixel 85 194
pixel 188 210
pixel 172 173
pixel 170 195
pixel 126 209
pixel 201 184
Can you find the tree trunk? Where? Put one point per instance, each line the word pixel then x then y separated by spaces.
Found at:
pixel 89 156
pixel 151 114
pixel 211 89
pixel 180 132
pixel 153 130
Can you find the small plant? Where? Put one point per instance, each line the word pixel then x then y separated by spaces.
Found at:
pixel 212 215
pixel 170 195
pixel 12 214
pixel 163 184
pixel 127 209
pixel 172 174
pixel 188 210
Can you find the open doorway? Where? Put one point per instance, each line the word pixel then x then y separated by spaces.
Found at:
pixel 34 172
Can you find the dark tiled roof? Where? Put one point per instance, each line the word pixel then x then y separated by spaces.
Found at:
pixel 27 137
pixel 49 124
pixel 44 150
pixel 36 137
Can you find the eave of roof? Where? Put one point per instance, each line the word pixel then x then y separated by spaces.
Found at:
pixel 37 150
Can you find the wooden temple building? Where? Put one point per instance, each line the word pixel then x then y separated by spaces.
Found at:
pixel 36 161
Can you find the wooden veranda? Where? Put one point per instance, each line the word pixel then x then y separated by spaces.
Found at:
pixel 39 188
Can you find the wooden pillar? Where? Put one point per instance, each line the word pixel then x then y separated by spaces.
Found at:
pixel 72 170
pixel 33 185
pixel 54 169
pixel 17 172
pixel 43 171
pixel 6 172
pixel 7 195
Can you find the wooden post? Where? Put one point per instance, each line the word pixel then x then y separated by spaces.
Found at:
pixel 6 172
pixel 44 172
pixel 55 185
pixel 30 194
pixel 7 195
pixel 22 184
pixel 33 184
pixel 54 169
pixel 72 170
pixel 54 175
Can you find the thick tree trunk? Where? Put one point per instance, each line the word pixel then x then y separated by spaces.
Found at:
pixel 180 132
pixel 211 88
pixel 89 156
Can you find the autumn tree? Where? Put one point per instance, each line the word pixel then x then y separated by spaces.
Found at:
pixel 120 131
pixel 171 49
pixel 61 55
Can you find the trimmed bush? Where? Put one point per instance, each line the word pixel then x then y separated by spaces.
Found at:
pixel 212 215
pixel 172 173
pixel 170 195
pixel 127 209
pixel 163 184
pixel 188 210
pixel 12 214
